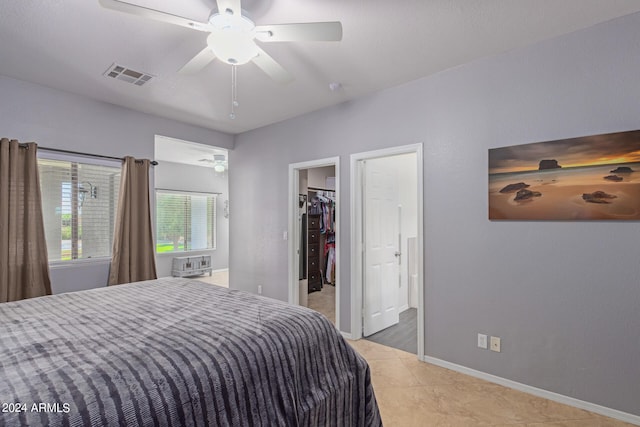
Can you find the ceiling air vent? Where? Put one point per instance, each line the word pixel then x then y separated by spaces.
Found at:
pixel 127 75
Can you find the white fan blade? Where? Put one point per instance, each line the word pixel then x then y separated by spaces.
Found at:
pixel 269 65
pixel 233 5
pixel 156 15
pixel 198 62
pixel 310 31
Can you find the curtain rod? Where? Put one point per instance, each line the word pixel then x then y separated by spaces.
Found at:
pixel 58 150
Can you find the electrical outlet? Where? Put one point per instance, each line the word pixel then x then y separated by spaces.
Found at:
pixel 495 344
pixel 482 341
pixel 259 289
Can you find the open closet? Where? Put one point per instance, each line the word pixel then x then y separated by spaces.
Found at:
pixel 317 222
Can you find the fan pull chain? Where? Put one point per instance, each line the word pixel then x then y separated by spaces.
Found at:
pixel 234 92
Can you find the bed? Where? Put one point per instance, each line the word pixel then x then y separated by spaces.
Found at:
pixel 177 352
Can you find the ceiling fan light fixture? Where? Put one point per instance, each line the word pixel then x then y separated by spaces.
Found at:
pixel 219 163
pixel 234 50
pixel 232 40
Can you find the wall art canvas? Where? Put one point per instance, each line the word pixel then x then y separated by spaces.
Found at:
pixel 593 177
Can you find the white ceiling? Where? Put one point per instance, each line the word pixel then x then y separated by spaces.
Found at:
pixel 69 44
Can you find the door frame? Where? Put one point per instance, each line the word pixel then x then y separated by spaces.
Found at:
pixel 357 248
pixel 294 232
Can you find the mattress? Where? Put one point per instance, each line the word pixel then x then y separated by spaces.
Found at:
pixel 177 352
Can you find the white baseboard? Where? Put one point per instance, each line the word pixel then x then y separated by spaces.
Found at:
pixel 576 403
pixel 346 335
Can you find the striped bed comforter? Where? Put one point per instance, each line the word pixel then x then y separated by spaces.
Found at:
pixel 176 352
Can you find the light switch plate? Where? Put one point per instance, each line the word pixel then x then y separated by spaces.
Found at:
pixel 482 341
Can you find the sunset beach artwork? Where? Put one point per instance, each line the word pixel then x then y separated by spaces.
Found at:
pixel 593 177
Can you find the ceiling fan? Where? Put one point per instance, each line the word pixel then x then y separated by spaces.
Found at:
pixel 219 162
pixel 233 35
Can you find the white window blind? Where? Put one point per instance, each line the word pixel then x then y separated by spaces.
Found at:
pixel 185 221
pixel 79 203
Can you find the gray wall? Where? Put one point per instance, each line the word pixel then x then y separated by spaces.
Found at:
pixel 177 176
pixel 563 296
pixel 57 119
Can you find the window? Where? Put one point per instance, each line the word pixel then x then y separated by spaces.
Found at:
pixel 185 221
pixel 79 203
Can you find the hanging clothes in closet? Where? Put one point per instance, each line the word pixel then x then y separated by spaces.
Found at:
pixel 330 256
pixel 322 203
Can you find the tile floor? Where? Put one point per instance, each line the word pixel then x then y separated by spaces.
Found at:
pixel 324 301
pixel 414 393
pixel 220 278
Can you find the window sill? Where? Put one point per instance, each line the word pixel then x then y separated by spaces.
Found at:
pixel 54 265
pixel 185 253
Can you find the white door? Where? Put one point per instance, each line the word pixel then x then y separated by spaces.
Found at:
pixel 381 227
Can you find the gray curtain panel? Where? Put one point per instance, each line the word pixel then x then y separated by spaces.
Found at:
pixel 133 257
pixel 24 267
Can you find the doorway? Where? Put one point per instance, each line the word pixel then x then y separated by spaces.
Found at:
pixel 387 262
pixel 191 200
pixel 314 279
